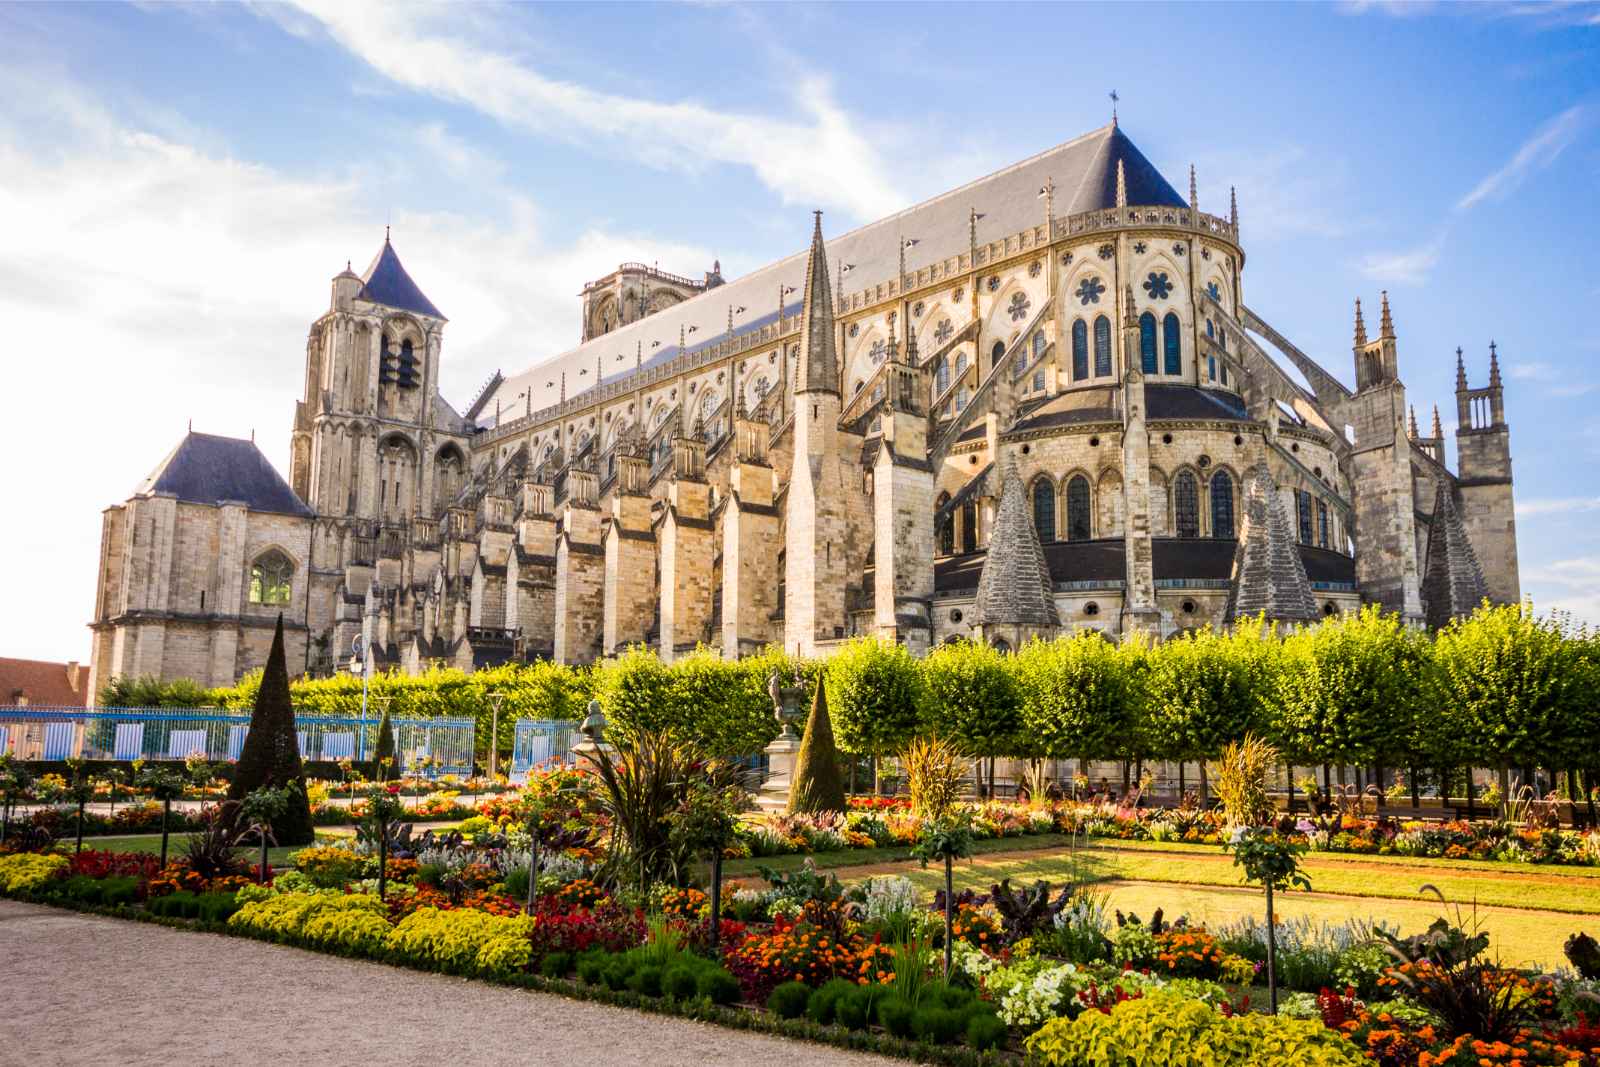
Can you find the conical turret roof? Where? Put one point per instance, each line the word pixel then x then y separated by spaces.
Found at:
pixel 1014 588
pixel 1452 581
pixel 1269 577
pixel 819 361
pixel 386 282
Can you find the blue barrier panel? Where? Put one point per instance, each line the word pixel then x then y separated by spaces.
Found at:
pixel 541 743
pixel 431 747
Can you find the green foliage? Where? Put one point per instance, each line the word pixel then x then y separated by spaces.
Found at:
pixel 789 1000
pixel 985 1031
pixel 894 1015
pixel 821 1004
pixel 1080 697
pixel 817 784
pixel 1268 858
pixel 271 753
pixel 950 838
pixel 717 985
pixel 701 699
pixel 876 695
pixel 1242 781
pixel 974 698
pixel 853 1010
pixel 385 755
pixel 1207 688
pixel 934 770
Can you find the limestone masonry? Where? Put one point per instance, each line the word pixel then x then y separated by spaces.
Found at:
pixel 1034 404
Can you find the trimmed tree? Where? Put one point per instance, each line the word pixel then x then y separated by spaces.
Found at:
pixel 271 753
pixel 817 785
pixel 384 759
pixel 876 694
pixel 973 698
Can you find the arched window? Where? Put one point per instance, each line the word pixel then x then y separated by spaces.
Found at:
pixel 1172 343
pixel 271 578
pixel 996 352
pixel 945 527
pixel 1186 505
pixel 1211 368
pixel 961 398
pixel 941 378
pixel 1147 343
pixel 1080 350
pixel 969 527
pixel 1001 645
pixel 1102 346
pixel 961 363
pixel 1078 527
pixel 1303 498
pixel 1221 505
pixel 1044 509
pixel 1038 380
pixel 1038 344
pixel 1322 525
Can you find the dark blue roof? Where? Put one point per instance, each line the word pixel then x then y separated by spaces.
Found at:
pixel 1145 184
pixel 1165 401
pixel 386 282
pixel 205 469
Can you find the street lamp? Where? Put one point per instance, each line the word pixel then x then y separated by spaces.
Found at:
pixel 496 698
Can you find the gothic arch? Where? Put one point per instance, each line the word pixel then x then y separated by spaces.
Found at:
pixel 1078 505
pixel 1108 497
pixel 1184 493
pixel 1208 496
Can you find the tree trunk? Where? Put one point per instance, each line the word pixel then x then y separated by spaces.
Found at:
pixel 1272 958
pixel 949 912
pixel 383 858
pixel 1470 812
pixel 166 809
pixel 877 783
pixel 1127 777
pixel 1327 785
pixel 1505 786
pixel 716 904
pixel 1205 786
pixel 1180 783
pixel 1416 792
pixel 1291 790
pixel 78 847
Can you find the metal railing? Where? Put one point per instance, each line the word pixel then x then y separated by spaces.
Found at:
pixel 430 747
pixel 541 743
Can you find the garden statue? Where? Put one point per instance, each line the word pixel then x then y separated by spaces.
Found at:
pixel 783 751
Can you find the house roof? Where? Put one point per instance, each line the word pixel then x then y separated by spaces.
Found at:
pixel 206 469
pixel 1084 171
pixel 386 282
pixel 43 684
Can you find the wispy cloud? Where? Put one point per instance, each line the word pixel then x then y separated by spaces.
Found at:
pixel 819 157
pixel 1552 380
pixel 1280 189
pixel 1567 505
pixel 1406 267
pixel 1570 586
pixel 1536 153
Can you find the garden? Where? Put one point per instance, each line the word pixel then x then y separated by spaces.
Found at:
pixel 943 923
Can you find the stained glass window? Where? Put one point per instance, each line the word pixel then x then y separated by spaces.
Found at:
pixel 1158 285
pixel 1078 528
pixel 1304 499
pixel 1044 509
pixel 1322 525
pixel 1172 343
pixel 1221 504
pixel 270 579
pixel 1102 346
pixel 941 377
pixel 1089 291
pixel 1080 350
pixel 969 527
pixel 1038 380
pixel 1147 343
pixel 1186 505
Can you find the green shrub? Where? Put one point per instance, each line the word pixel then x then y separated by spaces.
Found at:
pixel 617 972
pixel 592 967
pixel 718 986
pixel 936 1025
pixel 646 980
pixel 854 1009
pixel 894 1015
pixel 556 965
pixel 680 981
pixel 789 1001
pixel 217 907
pixel 818 785
pixel 179 905
pixel 985 1030
pixel 820 1006
pixel 516 883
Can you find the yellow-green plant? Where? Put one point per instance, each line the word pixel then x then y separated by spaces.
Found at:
pixel 464 941
pixel 1242 781
pixel 1178 1031
pixel 27 871
pixel 934 768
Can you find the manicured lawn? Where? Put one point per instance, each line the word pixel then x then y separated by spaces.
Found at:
pixel 151 843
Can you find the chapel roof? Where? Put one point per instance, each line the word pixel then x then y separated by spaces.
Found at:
pixel 386 282
pixel 1084 171
pixel 207 469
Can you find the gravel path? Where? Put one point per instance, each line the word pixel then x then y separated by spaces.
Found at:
pixel 81 989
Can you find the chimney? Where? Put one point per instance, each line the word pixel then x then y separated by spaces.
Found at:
pixel 72 674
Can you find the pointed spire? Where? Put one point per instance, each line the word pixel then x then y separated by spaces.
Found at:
pixel 1015 588
pixel 1233 209
pixel 1269 577
pixel 1452 581
pixel 563 399
pixel 730 314
pixel 1122 185
pixel 1386 324
pixel 739 409
pixel 1194 194
pixel 1494 367
pixel 819 363
pixel 682 346
pixel 599 370
pixel 1461 371
pixel 638 354
pixel 1411 422
pixel 1128 319
pixel 1361 325
pixel 1438 428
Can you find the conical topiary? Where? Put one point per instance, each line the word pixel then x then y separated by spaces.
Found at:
pixel 271 753
pixel 385 750
pixel 817 784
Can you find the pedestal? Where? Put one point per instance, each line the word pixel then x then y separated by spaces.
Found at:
pixel 781 757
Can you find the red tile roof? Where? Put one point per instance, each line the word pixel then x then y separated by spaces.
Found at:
pixel 32 681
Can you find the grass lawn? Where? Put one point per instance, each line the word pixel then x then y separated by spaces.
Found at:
pixel 151 843
pixel 1529 910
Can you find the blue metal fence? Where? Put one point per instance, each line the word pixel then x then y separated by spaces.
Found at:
pixel 540 743
pixel 432 747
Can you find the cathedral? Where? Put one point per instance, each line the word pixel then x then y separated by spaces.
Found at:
pixel 1034 404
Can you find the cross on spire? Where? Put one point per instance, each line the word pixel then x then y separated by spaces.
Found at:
pixel 1114 99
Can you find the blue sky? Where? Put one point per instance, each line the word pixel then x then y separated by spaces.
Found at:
pixel 179 183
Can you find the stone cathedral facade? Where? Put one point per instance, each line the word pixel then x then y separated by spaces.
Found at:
pixel 1034 404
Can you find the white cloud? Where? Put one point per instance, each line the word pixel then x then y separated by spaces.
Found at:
pixel 1536 153
pixel 145 281
pixel 1406 267
pixel 1568 505
pixel 1280 191
pixel 820 158
pixel 1570 586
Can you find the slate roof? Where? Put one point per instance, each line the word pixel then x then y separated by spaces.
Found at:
pixel 1074 406
pixel 1452 581
pixel 1192 402
pixel 1085 174
pixel 206 469
pixel 1269 575
pixel 1015 587
pixel 386 282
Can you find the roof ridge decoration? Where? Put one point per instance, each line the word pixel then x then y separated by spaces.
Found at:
pixel 819 361
pixel 1452 581
pixel 386 282
pixel 1269 577
pixel 1014 588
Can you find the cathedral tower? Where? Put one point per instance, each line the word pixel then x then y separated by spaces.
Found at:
pixel 1483 462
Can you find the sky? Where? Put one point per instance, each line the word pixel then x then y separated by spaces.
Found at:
pixel 179 183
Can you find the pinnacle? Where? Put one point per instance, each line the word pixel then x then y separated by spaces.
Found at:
pixel 1361 325
pixel 1386 326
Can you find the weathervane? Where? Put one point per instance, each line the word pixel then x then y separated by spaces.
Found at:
pixel 1114 99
